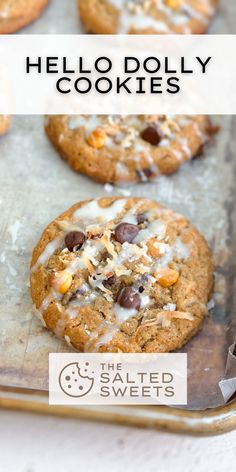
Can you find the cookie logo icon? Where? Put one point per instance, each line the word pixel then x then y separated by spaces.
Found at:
pixel 76 379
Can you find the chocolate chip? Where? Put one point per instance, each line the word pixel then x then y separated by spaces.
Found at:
pixel 128 298
pixel 74 240
pixel 144 174
pixel 126 232
pixel 148 172
pixel 109 282
pixel 141 218
pixel 151 134
pixel 141 289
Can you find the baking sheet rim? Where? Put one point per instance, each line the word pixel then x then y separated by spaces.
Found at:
pixel 201 423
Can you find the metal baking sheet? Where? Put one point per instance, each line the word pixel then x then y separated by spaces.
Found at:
pixel 36 186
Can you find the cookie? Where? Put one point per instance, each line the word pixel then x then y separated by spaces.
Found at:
pixel 122 275
pixel 116 149
pixel 5 122
pixel 147 16
pixel 15 14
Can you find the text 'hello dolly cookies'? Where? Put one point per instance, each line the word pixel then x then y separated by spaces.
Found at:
pixel 122 275
pixel 5 122
pixel 134 148
pixel 147 16
pixel 15 14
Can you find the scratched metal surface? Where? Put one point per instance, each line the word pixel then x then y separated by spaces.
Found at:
pixel 36 186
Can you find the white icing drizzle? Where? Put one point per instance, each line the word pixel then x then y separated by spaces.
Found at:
pixel 91 214
pixel 140 21
pixel 139 18
pixel 178 154
pixel 186 149
pixel 123 132
pixel 169 307
pixel 179 250
pixel 199 133
pixel 129 252
pixel 89 122
pixel 122 170
pixel 145 299
pixel 81 302
pixel 131 215
pixel 73 266
pixel 111 330
pixel 155 229
pixel 52 295
pixel 100 336
pixel 60 326
pixel 123 314
pixel 194 13
pixel 49 250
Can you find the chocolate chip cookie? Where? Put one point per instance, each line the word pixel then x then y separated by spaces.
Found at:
pixel 134 148
pixel 15 14
pixel 5 122
pixel 122 275
pixel 147 16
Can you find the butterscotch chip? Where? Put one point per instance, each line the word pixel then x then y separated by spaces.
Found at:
pixel 175 4
pixel 15 14
pixel 5 122
pixel 127 148
pixel 61 281
pixel 147 16
pixel 116 297
pixel 166 277
pixel 154 248
pixel 97 138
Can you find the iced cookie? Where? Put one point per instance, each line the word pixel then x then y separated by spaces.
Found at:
pixel 147 16
pixel 15 14
pixel 5 122
pixel 126 148
pixel 122 275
